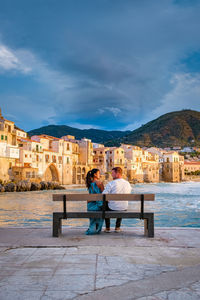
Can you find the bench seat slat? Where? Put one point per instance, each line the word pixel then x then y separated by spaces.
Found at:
pixel 99 197
pixel 98 214
pixel 78 197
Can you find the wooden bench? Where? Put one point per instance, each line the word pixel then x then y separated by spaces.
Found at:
pixel 148 217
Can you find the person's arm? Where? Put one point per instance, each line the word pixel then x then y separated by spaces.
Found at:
pixel 107 189
pixel 100 185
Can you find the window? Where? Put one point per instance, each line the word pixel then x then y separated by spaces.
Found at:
pixel 47 158
pixel 28 174
pixel 37 147
pixel 67 160
pixel 10 165
pixel 25 155
pixel 5 137
pixel 1 137
pixel 67 146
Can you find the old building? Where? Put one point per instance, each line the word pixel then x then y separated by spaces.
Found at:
pixel 171 167
pixel 115 158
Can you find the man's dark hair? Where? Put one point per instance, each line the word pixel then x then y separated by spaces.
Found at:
pixel 117 170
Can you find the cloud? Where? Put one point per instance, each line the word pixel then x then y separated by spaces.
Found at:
pixel 114 110
pixel 84 126
pixel 10 61
pixel 124 59
pixel 185 90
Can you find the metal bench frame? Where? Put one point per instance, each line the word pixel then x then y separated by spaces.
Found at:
pixel 147 217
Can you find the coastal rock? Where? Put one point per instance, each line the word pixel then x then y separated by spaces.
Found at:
pixel 10 187
pixel 35 186
pixel 23 186
pixel 50 185
pixel 44 185
pixel 59 187
pixel 2 188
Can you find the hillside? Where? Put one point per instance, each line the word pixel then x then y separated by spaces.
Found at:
pixel 96 135
pixel 180 128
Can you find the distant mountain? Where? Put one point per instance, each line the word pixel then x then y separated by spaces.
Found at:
pixel 179 128
pixel 96 135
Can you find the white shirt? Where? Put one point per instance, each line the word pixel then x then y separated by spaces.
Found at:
pixel 118 186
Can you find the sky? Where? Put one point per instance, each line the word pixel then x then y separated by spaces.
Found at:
pixel 105 64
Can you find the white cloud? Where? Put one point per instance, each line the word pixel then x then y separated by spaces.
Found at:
pixel 83 126
pixel 185 94
pixel 114 110
pixel 9 60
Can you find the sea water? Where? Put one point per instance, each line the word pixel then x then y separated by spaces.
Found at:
pixel 175 205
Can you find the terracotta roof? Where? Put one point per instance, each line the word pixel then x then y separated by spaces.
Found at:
pixel 49 150
pixel 49 137
pixel 19 128
pixel 192 163
pixel 25 140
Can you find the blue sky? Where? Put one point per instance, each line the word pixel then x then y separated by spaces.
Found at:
pixel 107 64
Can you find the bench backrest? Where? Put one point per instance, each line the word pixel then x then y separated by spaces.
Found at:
pixel 105 197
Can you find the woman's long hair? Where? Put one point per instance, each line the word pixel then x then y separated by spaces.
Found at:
pixel 90 176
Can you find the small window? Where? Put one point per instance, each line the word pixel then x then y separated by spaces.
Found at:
pixel 5 137
pixel 1 137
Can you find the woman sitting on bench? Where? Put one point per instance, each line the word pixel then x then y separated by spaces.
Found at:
pixel 95 186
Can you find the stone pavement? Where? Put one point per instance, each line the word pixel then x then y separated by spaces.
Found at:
pixel 123 265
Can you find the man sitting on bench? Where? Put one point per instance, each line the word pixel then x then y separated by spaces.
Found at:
pixel 117 186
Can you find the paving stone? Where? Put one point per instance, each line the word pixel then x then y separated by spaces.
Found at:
pixel 20 295
pixel 50 251
pixel 103 281
pixel 12 260
pixel 81 283
pixel 42 261
pixel 33 271
pixel 196 287
pixel 17 283
pixel 77 259
pixel 67 269
pixel 21 251
pixel 58 295
pixel 182 295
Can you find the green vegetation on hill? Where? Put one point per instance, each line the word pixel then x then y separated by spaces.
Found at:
pixel 96 135
pixel 180 128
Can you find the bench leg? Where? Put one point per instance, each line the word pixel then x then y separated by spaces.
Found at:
pixel 149 226
pixel 57 225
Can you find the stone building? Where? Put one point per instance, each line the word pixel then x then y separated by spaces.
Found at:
pixel 191 166
pixel 115 158
pixel 99 159
pixel 133 163
pixel 171 167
